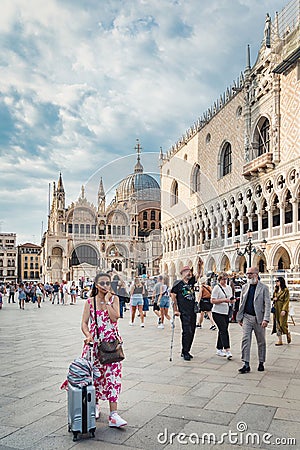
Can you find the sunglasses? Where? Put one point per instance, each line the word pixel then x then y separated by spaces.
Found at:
pixel 277 281
pixel 104 283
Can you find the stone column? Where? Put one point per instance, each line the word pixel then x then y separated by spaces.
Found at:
pixel 259 225
pixel 269 209
pixel 281 208
pixel 225 233
pixel 295 215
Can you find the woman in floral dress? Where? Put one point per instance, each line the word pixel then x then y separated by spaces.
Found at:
pixel 108 386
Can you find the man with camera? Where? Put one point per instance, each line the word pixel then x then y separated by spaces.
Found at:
pixel 183 298
pixel 254 315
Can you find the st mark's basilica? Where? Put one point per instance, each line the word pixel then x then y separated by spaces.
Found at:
pixel 83 238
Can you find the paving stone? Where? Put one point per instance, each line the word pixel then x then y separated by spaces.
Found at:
pixel 225 401
pixel 206 389
pixel 282 430
pixel 28 436
pixel 273 401
pixel 147 437
pixel 198 414
pixel 256 417
pixel 288 414
pixel 5 430
pixel 142 412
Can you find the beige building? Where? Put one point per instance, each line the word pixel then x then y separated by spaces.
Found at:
pixel 237 168
pixel 82 238
pixel 8 257
pixel 29 262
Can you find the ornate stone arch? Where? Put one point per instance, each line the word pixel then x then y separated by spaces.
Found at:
pixel 225 265
pixel 261 136
pixel 280 251
pixel 210 265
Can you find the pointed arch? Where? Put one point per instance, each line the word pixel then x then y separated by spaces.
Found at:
pixel 174 193
pixel 225 159
pixel 195 179
pixel 261 137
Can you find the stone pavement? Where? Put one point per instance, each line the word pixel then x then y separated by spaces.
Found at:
pixel 206 395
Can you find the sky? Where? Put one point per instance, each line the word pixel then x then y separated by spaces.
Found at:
pixel 81 80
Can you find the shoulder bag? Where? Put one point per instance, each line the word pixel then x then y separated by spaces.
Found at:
pixel 108 352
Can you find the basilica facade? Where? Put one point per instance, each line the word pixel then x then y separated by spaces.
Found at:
pixel 83 238
pixel 233 179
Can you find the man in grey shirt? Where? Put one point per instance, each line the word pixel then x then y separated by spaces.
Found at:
pixel 155 295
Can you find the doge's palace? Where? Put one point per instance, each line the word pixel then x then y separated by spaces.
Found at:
pixel 237 167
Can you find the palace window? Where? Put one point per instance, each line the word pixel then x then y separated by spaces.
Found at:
pixel 196 178
pixel 152 215
pixel 264 138
pixel 225 160
pixel 145 215
pixel 174 193
pixel 261 138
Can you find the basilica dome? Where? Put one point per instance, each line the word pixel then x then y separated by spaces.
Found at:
pixel 139 185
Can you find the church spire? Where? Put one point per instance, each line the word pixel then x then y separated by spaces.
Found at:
pixel 138 168
pixel 101 192
pixel 60 186
pixel 101 197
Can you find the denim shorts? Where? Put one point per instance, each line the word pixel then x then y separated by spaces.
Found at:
pixel 136 300
pixel 164 302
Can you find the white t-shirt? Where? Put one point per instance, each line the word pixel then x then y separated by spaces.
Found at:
pixel 221 308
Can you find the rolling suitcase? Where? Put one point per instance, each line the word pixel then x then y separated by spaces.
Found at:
pixel 82 409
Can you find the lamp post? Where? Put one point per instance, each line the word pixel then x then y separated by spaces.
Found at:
pixel 250 248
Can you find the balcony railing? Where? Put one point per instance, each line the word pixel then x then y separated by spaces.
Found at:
pixel 258 164
pixel 276 231
pixel 288 228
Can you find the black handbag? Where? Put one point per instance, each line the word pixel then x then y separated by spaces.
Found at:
pixel 196 307
pixel 108 352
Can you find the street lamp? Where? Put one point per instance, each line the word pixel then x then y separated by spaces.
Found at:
pixel 250 248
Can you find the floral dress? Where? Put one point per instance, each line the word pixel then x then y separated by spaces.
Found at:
pixel 108 386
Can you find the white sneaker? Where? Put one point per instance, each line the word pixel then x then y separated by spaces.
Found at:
pixel 161 326
pixel 131 324
pixel 142 325
pixel 116 421
pixel 221 353
pixel 228 355
pixel 97 412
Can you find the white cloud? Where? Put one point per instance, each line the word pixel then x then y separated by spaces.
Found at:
pixel 81 80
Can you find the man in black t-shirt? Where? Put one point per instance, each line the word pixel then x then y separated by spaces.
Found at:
pixel 183 297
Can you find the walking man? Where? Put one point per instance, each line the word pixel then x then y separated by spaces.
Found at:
pixel 12 290
pixel 254 315
pixel 183 297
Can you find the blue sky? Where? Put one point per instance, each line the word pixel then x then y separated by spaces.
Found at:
pixel 82 79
